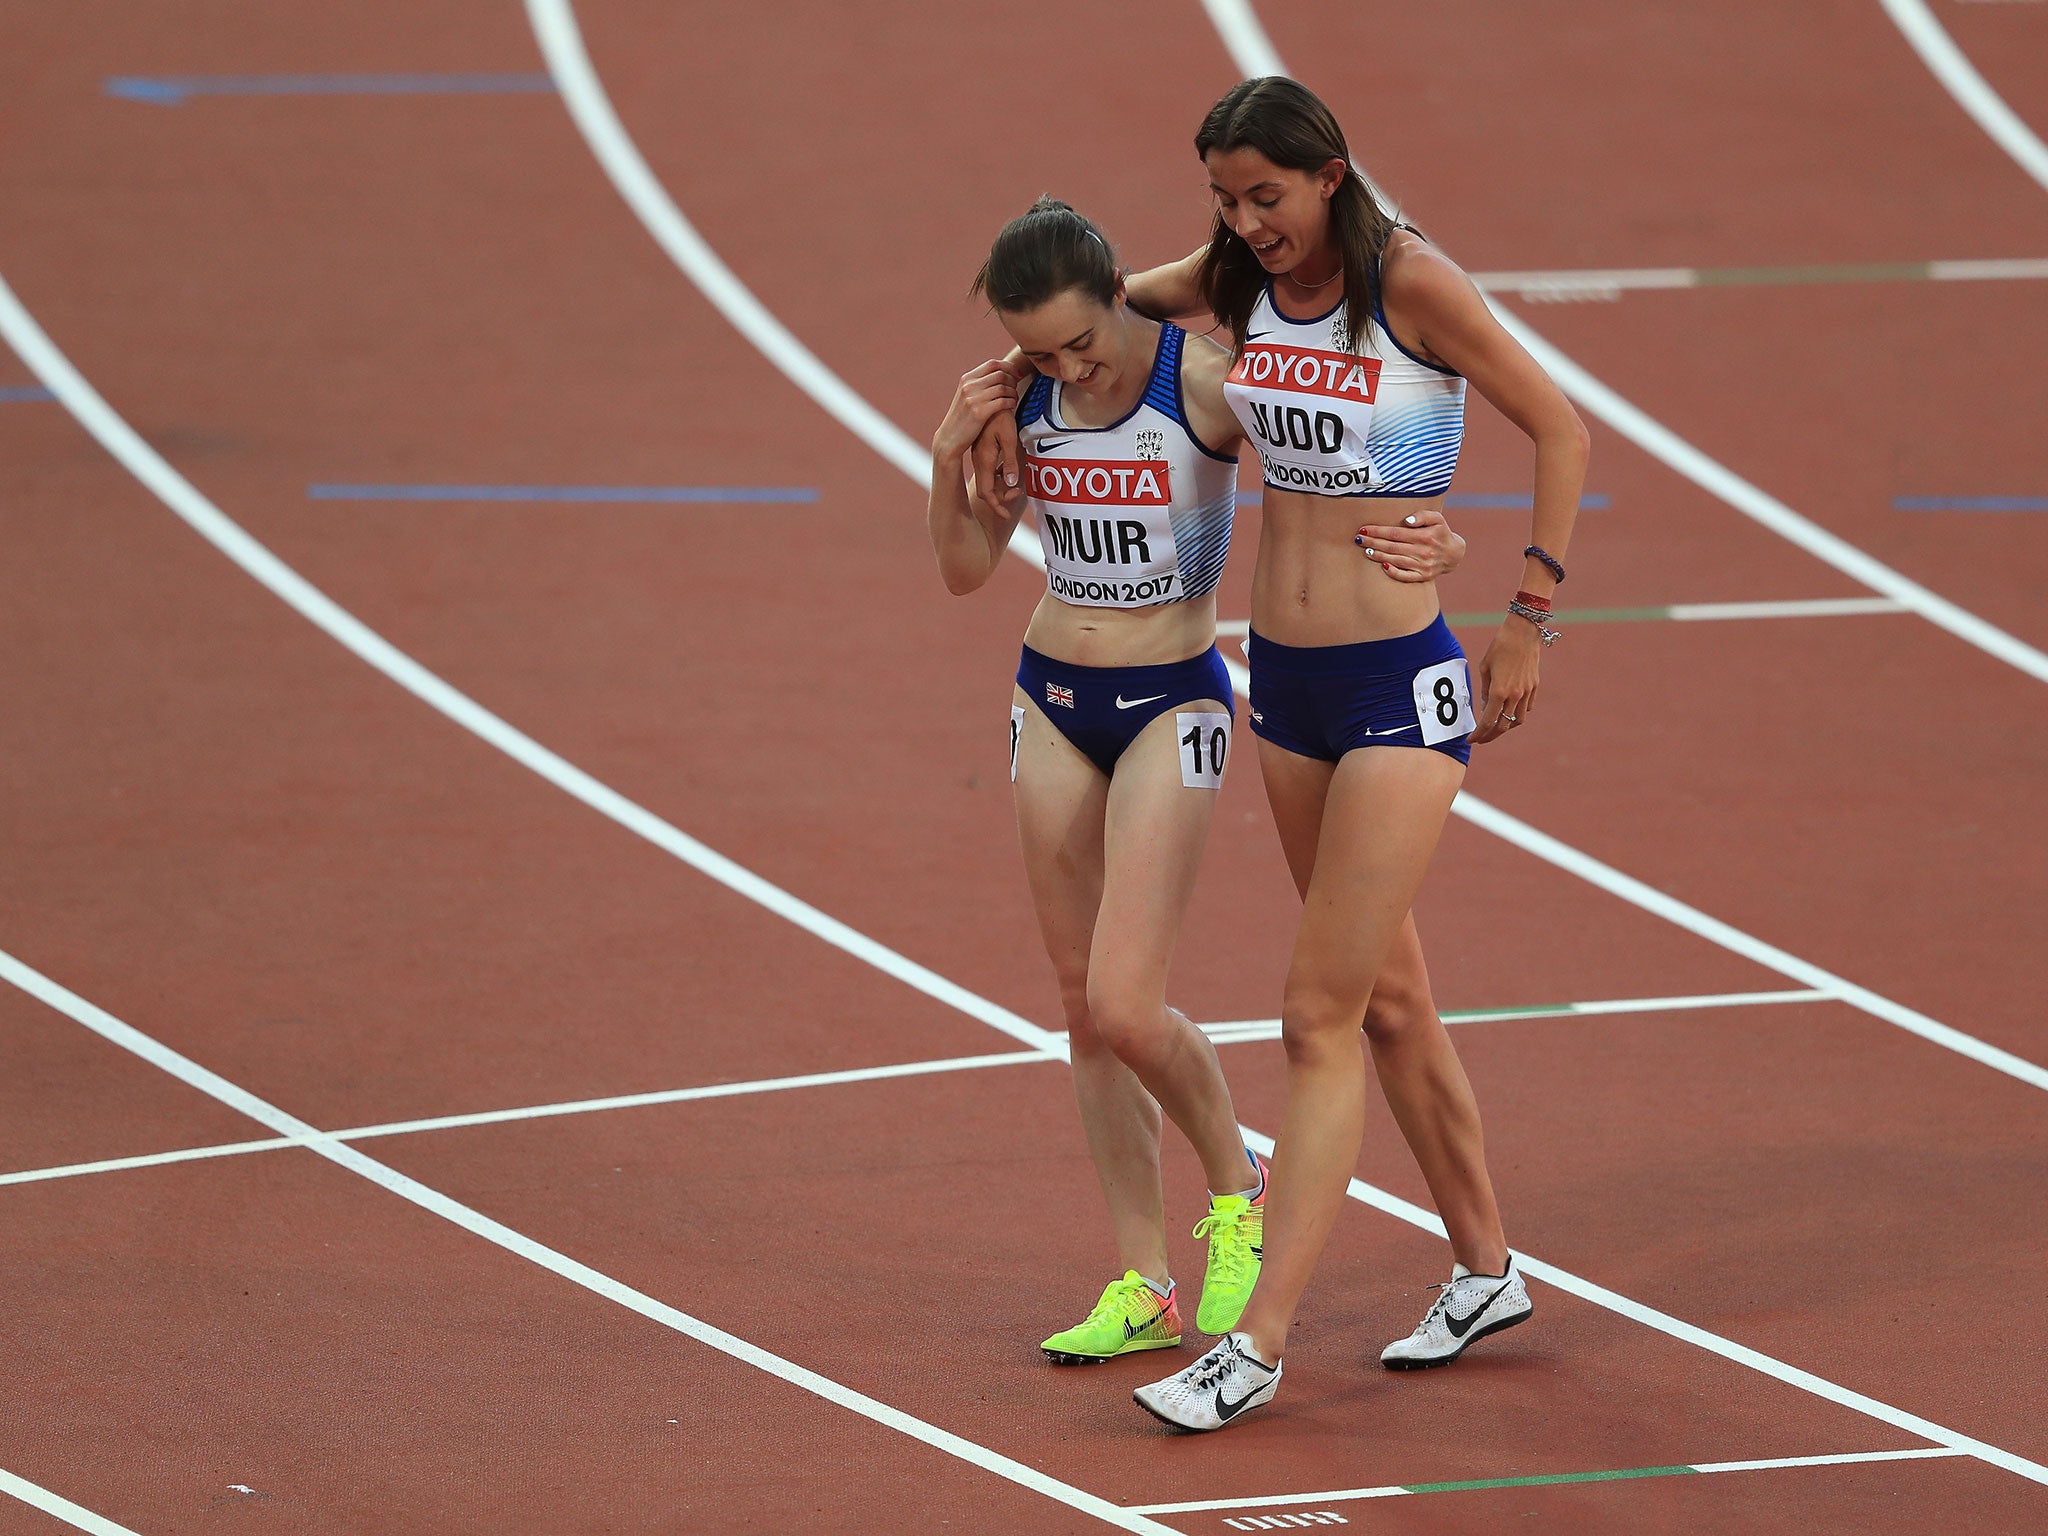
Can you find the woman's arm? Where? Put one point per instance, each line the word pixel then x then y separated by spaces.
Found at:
pixel 1430 299
pixel 1169 292
pixel 968 534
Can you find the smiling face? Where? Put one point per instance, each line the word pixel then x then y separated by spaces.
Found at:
pixel 1074 338
pixel 1282 214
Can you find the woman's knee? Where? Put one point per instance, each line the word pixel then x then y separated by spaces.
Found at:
pixel 1398 1010
pixel 1315 1024
pixel 1128 1015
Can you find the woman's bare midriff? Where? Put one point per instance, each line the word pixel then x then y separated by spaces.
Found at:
pixel 1314 586
pixel 1122 637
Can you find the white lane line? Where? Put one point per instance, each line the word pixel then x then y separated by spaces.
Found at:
pixel 562 45
pixel 1952 67
pixel 35 349
pixel 1568 1479
pixel 1606 283
pixel 1253 52
pixel 1244 1031
pixel 76 1515
pixel 1230 1033
pixel 561 41
pixel 1780 608
pixel 536 1112
pixel 1790 608
pixel 189 1072
pixel 104 1024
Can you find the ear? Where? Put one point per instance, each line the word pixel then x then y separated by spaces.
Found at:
pixel 1331 176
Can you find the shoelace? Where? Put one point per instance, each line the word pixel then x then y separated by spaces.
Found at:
pixel 1203 1375
pixel 1221 1227
pixel 1116 1301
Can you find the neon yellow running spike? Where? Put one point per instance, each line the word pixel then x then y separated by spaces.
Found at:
pixel 1130 1317
pixel 1236 1229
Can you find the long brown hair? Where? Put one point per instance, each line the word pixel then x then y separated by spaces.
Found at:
pixel 1287 123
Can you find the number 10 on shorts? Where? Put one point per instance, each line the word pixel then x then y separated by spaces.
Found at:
pixel 1443 702
pixel 1204 743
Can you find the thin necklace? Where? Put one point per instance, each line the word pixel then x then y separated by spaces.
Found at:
pixel 1312 287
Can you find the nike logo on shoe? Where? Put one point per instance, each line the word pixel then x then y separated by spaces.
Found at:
pixel 1124 703
pixel 1460 1329
pixel 1131 1333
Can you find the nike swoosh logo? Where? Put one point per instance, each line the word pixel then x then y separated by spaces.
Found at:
pixel 1226 1411
pixel 1458 1329
pixel 1123 703
pixel 1131 1333
pixel 1255 335
pixel 1047 447
pixel 1397 730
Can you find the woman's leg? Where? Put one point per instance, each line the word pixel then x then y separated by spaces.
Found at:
pixel 1433 1103
pixel 1419 1070
pixel 1154 833
pixel 1062 802
pixel 1377 818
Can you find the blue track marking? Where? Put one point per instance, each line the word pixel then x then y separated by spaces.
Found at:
pixel 174 90
pixel 1467 501
pixel 782 494
pixel 23 392
pixel 1970 503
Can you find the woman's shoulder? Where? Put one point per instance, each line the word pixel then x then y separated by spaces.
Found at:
pixel 1413 271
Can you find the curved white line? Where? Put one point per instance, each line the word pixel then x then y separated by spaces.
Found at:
pixel 561 42
pixel 431 1200
pixel 562 46
pixel 20 330
pixel 1952 67
pixel 1253 52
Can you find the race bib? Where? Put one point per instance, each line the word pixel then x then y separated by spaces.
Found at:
pixel 1204 744
pixel 1443 702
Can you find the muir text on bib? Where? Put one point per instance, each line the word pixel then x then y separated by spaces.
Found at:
pixel 1105 527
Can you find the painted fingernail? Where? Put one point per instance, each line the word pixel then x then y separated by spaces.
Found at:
pixel 1369 554
pixel 1358 539
pixel 1387 568
pixel 1409 521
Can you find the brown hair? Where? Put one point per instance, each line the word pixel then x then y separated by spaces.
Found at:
pixel 1287 123
pixel 1041 254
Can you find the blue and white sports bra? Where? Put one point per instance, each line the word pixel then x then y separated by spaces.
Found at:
pixel 1134 514
pixel 1331 419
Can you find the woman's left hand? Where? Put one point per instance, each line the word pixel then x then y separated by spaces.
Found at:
pixel 1421 547
pixel 1504 692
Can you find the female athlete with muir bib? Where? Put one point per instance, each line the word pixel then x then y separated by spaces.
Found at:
pixel 1354 340
pixel 1120 724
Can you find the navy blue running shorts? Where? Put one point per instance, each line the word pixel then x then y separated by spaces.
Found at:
pixel 1102 709
pixel 1326 700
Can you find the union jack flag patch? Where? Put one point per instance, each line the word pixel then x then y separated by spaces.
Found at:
pixel 1055 694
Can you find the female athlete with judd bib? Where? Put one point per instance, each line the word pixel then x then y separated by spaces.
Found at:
pixel 1354 342
pixel 1120 726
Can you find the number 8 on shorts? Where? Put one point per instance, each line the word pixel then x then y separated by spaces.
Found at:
pixel 1443 701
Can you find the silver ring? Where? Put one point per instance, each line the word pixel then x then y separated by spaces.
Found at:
pixel 1511 719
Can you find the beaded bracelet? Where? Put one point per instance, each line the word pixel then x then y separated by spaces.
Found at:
pixel 1536 617
pixel 1556 566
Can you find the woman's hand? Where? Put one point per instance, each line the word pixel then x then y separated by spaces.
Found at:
pixel 1421 547
pixel 999 457
pixel 987 390
pixel 1505 691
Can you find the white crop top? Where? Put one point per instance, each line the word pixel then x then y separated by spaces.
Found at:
pixel 1332 420
pixel 1130 515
